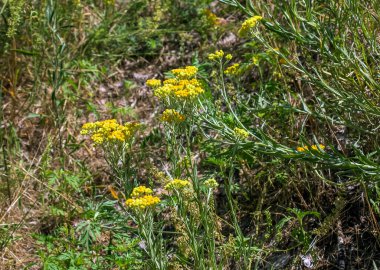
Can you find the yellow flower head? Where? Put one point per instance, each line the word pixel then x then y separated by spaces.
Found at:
pixel 109 131
pixel 211 183
pixel 163 92
pixel 232 70
pixel 211 17
pixel 218 55
pixel 302 149
pixel 97 138
pixel 172 116
pixel 140 191
pixel 154 83
pixel 141 203
pixel 179 89
pixel 248 25
pixel 117 135
pixel 183 87
pixel 171 81
pixel 185 73
pixel 86 128
pixel 177 184
pixel 313 147
pixel 188 92
pixel 241 134
pixel 321 146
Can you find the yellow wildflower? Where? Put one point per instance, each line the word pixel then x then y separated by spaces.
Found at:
pixel 140 191
pixel 183 86
pixel 248 25
pixel 313 147
pixel 97 138
pixel 170 81
pixel 172 116
pixel 216 56
pixel 109 131
pixel 184 83
pixel 163 92
pixel 177 184
pixel 189 91
pixel 154 83
pixel 185 73
pixel 302 149
pixel 183 89
pixel 142 202
pixel 117 135
pixel 211 183
pixel 86 128
pixel 211 17
pixel 232 70
pixel 240 133
pixel 277 75
pixel 229 57
pixel 321 146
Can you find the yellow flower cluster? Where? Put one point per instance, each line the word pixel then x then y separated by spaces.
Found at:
pixel 142 198
pixel 177 184
pixel 184 86
pixel 211 17
pixel 248 25
pixel 313 147
pixel 172 116
pixel 211 183
pixel 240 133
pixel 109 131
pixel 140 191
pixel 232 70
pixel 142 202
pixel 218 55
pixel 185 73
pixel 154 83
